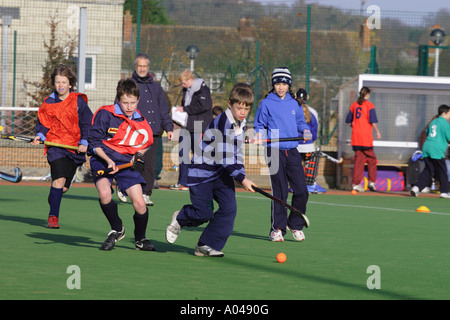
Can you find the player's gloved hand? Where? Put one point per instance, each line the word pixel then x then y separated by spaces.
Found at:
pixel 307 135
pixel 138 162
pixel 416 155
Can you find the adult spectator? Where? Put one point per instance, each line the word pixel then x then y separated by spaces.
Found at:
pixel 197 103
pixel 153 106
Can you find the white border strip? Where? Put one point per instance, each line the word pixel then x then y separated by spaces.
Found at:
pixel 394 144
pixel 378 208
pixel 18 109
pixel 352 206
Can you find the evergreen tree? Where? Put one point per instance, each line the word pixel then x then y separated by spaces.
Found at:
pixel 151 11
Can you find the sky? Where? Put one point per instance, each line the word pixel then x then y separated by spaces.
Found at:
pixel 397 5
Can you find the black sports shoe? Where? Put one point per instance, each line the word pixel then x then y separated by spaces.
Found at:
pixel 113 237
pixel 144 245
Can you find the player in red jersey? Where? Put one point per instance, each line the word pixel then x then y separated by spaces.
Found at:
pixel 120 134
pixel 64 117
pixel 363 118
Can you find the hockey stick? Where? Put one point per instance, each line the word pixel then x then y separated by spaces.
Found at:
pixel 323 154
pixel 83 174
pixel 103 172
pixel 14 179
pixel 247 140
pixel 284 204
pixel 340 161
pixel 47 143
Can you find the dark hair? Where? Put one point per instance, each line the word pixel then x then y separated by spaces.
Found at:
pixel 362 93
pixel 242 93
pixel 128 87
pixel 64 71
pixel 443 108
pixel 302 94
pixel 216 110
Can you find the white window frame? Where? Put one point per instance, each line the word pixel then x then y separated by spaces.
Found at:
pixel 90 85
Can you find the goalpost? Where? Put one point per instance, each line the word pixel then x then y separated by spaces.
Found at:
pixel 31 159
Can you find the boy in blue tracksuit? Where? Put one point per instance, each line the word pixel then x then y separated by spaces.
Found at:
pixel 279 115
pixel 211 177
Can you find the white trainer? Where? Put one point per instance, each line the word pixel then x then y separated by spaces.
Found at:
pixel 371 186
pixel 298 235
pixel 120 195
pixel 445 195
pixel 173 229
pixel 415 191
pixel 358 187
pixel 177 186
pixel 147 200
pixel 425 190
pixel 276 236
pixel 207 251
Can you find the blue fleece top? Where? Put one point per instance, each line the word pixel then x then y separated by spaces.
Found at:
pixel 280 118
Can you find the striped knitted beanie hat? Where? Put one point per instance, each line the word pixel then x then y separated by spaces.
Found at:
pixel 281 74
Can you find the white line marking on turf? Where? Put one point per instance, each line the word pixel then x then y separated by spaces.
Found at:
pixel 369 207
pixel 351 205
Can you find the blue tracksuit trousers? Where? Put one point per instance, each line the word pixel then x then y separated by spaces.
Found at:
pixel 284 171
pixel 201 210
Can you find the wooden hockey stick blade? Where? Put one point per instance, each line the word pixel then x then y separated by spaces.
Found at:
pixel 54 144
pixel 340 161
pixel 14 179
pixel 284 204
pixel 103 172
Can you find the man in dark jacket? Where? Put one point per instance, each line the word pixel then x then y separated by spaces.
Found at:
pixel 197 103
pixel 153 106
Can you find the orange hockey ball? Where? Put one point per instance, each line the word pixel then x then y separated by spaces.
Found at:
pixel 281 257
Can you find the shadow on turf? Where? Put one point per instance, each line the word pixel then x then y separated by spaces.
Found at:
pixel 167 247
pixel 30 221
pixel 320 280
pixel 72 196
pixel 79 241
pixel 257 237
pixel 52 238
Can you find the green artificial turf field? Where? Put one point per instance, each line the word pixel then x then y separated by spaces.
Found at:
pixel 348 235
